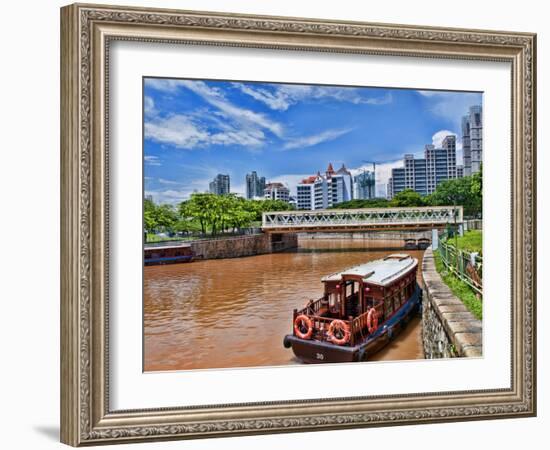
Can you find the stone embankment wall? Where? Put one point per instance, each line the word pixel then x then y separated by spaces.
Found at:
pixel 247 245
pixel 448 328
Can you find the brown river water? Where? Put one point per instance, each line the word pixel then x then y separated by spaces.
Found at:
pixel 235 312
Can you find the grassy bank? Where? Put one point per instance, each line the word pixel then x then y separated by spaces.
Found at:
pixel 459 288
pixel 471 241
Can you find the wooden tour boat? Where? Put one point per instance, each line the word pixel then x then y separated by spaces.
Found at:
pixel 171 254
pixel 362 309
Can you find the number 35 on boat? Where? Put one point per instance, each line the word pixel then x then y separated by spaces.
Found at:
pixel 362 309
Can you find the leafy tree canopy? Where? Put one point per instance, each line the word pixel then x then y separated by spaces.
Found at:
pixel 408 197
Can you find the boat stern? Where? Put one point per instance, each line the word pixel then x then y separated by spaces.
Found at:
pixel 311 351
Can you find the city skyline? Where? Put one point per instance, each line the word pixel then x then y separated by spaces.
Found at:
pixel 194 130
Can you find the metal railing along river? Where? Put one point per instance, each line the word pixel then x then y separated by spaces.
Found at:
pixel 466 266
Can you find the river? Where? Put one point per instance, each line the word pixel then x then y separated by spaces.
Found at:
pixel 235 312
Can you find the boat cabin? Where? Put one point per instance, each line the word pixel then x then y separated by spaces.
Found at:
pixel 360 298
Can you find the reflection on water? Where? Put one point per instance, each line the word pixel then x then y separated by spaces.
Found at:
pixel 235 312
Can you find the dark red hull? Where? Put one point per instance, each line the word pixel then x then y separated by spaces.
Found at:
pixel 314 352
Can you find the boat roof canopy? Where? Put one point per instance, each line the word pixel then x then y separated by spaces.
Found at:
pixel 380 271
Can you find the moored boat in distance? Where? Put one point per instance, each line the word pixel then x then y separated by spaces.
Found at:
pixel 362 309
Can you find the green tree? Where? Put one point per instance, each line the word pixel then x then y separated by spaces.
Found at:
pixel 457 192
pixel 221 213
pixel 408 197
pixel 197 208
pixel 362 203
pixel 165 217
pixel 477 182
pixel 149 218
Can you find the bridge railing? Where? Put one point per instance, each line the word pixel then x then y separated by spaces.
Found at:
pixel 367 217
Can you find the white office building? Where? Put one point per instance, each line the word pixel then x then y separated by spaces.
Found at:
pixel 323 191
pixel 277 191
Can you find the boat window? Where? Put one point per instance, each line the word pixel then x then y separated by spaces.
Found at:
pixel 389 306
pixel 396 303
pixel 349 288
pixel 332 299
pixel 370 302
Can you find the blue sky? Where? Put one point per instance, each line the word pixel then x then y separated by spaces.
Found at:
pixel 195 129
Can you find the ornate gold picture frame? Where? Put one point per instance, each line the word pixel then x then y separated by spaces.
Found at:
pixel 87 32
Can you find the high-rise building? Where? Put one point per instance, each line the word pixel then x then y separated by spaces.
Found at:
pixel 422 175
pixel 340 185
pixel 472 139
pixel 220 185
pixel 276 191
pixel 364 185
pixel 323 191
pixel 255 185
pixel 440 163
pixel 305 193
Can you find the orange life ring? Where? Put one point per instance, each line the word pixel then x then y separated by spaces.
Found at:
pixel 303 321
pixel 338 326
pixel 372 320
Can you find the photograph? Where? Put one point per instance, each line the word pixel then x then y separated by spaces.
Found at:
pixel 288 224
pixel 278 221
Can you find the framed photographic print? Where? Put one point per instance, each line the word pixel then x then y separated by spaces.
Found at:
pixel 268 221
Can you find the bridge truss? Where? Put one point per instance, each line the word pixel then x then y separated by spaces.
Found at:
pixel 334 220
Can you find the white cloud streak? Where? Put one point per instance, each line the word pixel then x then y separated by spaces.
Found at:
pixel 281 97
pixel 188 133
pixel 452 105
pixel 309 141
pixel 151 160
pixel 245 118
pixel 149 106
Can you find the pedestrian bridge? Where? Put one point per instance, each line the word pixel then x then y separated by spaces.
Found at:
pixel 349 220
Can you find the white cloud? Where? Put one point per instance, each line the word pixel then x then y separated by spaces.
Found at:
pixel 238 188
pixel 309 141
pixel 168 182
pixel 216 98
pixel 149 106
pixel 378 100
pixel 437 138
pixel 429 93
pixel 452 105
pixel 228 124
pixel 187 132
pixel 170 196
pixel 162 84
pixel 275 100
pixel 151 160
pixel 437 141
pixel 281 97
pixel 176 130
